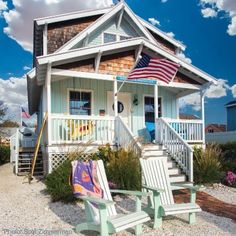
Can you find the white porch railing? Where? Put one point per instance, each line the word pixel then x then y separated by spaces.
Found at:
pixel 190 130
pixel 177 147
pixel 70 129
pixel 125 138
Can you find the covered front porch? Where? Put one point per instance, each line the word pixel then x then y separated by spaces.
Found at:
pixel 82 109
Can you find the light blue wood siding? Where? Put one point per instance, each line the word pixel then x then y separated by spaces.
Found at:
pixel 100 88
pixel 127 28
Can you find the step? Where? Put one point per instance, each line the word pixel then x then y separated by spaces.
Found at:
pixel 153 153
pixel 171 164
pixel 177 178
pixel 174 171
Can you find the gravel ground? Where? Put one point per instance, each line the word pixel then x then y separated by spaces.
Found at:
pixel 26 210
pixel 222 192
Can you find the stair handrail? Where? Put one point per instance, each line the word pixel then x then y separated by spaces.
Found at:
pixel 177 147
pixel 129 141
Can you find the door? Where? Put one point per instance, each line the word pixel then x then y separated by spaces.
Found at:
pixel 124 106
pixel 149 114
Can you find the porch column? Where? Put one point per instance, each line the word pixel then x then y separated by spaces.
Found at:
pixel 48 106
pixel 156 108
pixel 115 98
pixel 203 115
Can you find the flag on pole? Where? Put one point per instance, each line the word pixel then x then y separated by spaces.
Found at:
pixel 24 114
pixel 154 68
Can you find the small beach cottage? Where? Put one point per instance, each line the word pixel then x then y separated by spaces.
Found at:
pixel 82 59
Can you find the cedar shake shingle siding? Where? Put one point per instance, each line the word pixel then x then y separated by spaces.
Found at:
pixel 180 78
pixel 62 32
pixel 165 44
pixel 115 64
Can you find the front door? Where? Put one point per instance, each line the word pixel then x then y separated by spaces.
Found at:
pixel 149 114
pixel 124 106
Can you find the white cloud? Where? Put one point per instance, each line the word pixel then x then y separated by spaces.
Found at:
pixel 3 6
pixel 214 91
pixel 20 19
pixel 171 34
pixel 233 90
pixel 226 7
pixel 208 12
pixel 154 21
pixel 164 1
pixel 184 58
pixel 26 68
pixel 13 93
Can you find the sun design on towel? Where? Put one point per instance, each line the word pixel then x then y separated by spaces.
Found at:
pixel 85 177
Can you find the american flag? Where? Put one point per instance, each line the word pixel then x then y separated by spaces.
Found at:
pixel 154 68
pixel 24 113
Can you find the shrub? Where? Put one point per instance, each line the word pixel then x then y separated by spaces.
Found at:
pixel 124 170
pixel 4 154
pixel 57 183
pixel 207 166
pixel 230 178
pixel 228 151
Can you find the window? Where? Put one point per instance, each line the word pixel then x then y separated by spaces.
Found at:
pixel 109 38
pixel 80 103
pixel 149 109
pixel 124 37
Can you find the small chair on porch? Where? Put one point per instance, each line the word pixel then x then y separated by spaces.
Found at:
pixel 104 219
pixel 157 181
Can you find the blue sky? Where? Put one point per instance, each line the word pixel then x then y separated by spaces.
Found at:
pixel 209 45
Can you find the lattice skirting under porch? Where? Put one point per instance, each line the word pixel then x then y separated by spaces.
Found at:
pixel 56 159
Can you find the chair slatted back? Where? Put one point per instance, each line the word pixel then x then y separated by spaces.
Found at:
pixel 155 172
pixel 102 178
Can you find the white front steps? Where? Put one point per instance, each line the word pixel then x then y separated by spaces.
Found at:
pixel 155 151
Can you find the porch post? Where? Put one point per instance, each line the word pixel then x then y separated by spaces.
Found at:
pixel 156 108
pixel 48 91
pixel 203 116
pixel 115 98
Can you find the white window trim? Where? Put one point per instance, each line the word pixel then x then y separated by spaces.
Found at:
pixel 80 90
pixel 152 96
pixel 116 34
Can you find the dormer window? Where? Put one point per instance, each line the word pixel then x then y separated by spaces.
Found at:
pixel 109 38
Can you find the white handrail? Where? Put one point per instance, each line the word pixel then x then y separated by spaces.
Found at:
pixel 125 138
pixel 177 147
pixel 17 147
pixel 189 130
pixel 70 129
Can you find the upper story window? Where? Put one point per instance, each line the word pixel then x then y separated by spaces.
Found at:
pixel 80 103
pixel 122 37
pixel 109 38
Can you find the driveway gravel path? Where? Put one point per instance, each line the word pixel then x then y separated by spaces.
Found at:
pixel 26 210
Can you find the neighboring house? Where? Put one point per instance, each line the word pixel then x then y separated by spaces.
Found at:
pixel 80 61
pixel 188 116
pixel 213 128
pixel 231 116
pixel 5 134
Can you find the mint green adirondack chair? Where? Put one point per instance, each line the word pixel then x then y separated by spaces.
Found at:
pixel 157 181
pixel 104 219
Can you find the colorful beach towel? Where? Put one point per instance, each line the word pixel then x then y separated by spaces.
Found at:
pixel 85 180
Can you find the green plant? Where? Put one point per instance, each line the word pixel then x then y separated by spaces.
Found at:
pixel 228 151
pixel 4 154
pixel 124 169
pixel 57 183
pixel 207 166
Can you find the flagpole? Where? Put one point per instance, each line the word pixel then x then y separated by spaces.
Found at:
pixel 135 64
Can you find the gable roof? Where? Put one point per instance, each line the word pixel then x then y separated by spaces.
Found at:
pixel 103 19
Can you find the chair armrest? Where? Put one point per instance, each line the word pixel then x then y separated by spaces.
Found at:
pixel 158 190
pixel 134 193
pixel 180 186
pixel 99 201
